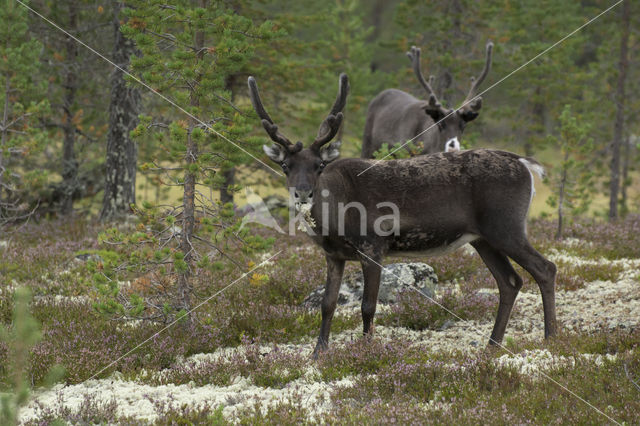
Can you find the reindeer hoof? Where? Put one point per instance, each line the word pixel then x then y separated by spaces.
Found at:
pixel 320 348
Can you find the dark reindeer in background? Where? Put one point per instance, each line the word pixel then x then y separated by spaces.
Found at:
pixel 394 116
pixel 444 200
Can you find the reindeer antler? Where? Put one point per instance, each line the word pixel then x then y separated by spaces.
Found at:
pixel 330 126
pixel 414 56
pixel 267 122
pixel 433 103
pixel 476 104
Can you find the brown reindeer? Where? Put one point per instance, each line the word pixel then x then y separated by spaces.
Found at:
pixel 395 117
pixel 427 205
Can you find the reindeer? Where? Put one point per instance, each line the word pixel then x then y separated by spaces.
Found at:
pixel 395 116
pixel 442 201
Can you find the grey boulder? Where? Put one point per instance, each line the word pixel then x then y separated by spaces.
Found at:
pixel 395 278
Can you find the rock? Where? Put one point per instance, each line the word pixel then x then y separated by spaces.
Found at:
pixel 4 245
pixel 447 325
pixel 395 278
pixel 84 257
pixel 275 202
pixel 269 203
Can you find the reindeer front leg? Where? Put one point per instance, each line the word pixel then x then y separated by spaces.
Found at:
pixel 335 269
pixel 371 271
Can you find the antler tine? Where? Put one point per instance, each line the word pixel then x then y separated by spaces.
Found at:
pixel 332 122
pixel 343 91
pixel 475 83
pixel 414 56
pixel 267 122
pixel 330 126
pixel 432 80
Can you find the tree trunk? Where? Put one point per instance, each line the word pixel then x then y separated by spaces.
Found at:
pixel 563 182
pixel 188 217
pixel 4 137
pixel 188 199
pixel 122 152
pixel 626 155
pixel 229 175
pixel 538 113
pixel 377 16
pixel 454 11
pixel 69 161
pixel 619 123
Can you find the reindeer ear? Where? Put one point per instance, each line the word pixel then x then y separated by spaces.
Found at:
pixel 435 114
pixel 331 152
pixel 275 152
pixel 468 115
pixel 434 109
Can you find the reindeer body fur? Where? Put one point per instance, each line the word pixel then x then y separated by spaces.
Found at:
pixel 445 200
pixel 438 197
pixel 394 117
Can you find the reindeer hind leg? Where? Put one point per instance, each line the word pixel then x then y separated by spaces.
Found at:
pixel 517 247
pixel 509 284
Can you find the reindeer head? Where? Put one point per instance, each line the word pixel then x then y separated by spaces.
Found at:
pixel 302 166
pixel 451 123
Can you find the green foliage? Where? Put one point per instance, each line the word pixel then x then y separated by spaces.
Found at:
pixel 347 48
pixel 189 54
pixel 392 152
pixel 452 53
pixel 198 77
pixel 545 83
pixel 20 338
pixel 573 178
pixel 21 106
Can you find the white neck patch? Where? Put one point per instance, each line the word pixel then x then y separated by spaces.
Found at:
pixel 452 145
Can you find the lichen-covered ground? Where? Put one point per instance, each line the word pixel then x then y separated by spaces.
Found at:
pixel 248 358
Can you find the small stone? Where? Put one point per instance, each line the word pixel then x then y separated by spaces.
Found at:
pixel 447 325
pixel 84 257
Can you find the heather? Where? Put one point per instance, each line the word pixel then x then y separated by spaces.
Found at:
pixel 420 313
pixel 145 277
pixel 246 358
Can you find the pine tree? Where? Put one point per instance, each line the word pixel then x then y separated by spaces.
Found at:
pixel 347 50
pixel 23 334
pixel 536 94
pixel 77 80
pixel 572 180
pixel 452 35
pixel 188 50
pixel 21 106
pixel 620 99
pixel 122 153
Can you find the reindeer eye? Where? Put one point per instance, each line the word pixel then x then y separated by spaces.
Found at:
pixel 285 168
pixel 321 166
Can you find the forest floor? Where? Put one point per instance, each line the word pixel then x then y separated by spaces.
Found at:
pixel 247 359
